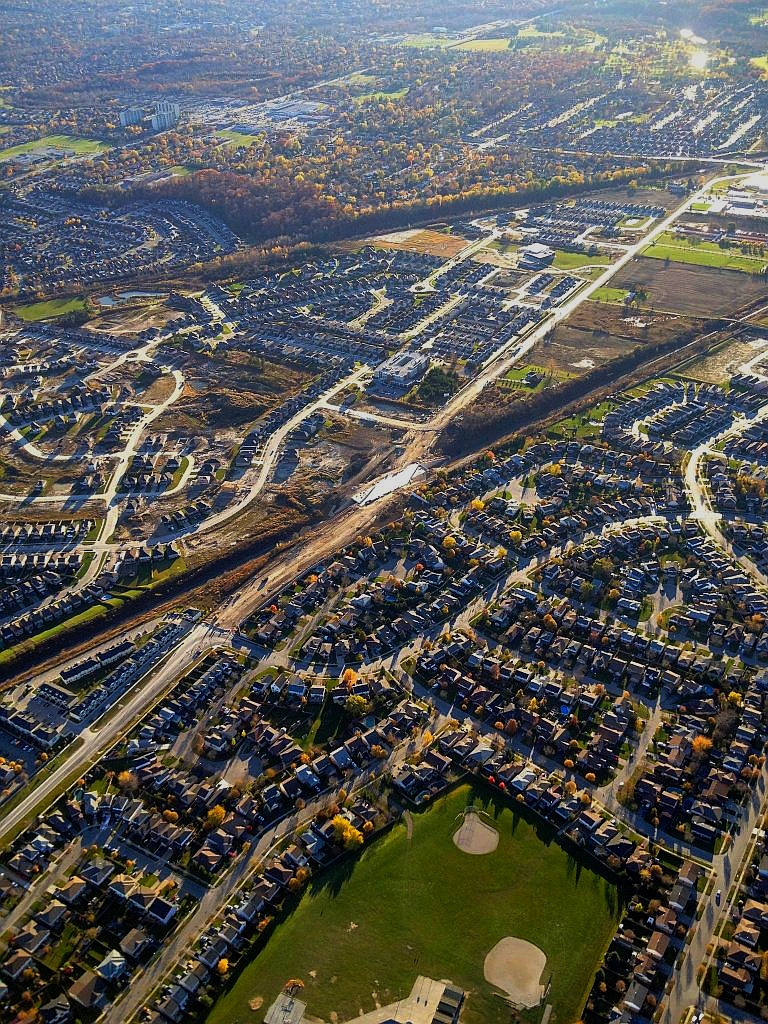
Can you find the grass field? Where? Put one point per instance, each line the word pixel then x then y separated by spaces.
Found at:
pixel 403 908
pixel 382 94
pixel 573 260
pixel 761 63
pixel 484 45
pixel 608 294
pixel 703 254
pixel 48 310
pixel 70 142
pixel 425 39
pixel 237 138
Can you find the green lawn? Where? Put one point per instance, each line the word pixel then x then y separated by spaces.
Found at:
pixel 761 63
pixel 49 309
pixel 425 907
pixel 70 142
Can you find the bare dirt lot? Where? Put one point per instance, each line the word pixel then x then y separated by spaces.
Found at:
pixel 432 243
pixel 720 364
pixel 232 390
pixel 577 350
pixel 134 318
pixel 690 290
pixel 641 325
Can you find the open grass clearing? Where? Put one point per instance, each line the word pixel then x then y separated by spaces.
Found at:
pixel 573 260
pixel 372 923
pixel 383 94
pixel 608 294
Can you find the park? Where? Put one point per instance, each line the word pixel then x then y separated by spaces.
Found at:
pixel 426 904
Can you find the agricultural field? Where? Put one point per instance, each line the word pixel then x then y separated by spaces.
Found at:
pixel 368 926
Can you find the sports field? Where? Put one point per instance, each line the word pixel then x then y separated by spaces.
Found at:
pixel 367 927
pixel 70 143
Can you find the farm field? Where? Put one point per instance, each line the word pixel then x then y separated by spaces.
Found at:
pixel 69 142
pixel 370 925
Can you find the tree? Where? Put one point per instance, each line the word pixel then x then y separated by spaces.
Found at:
pixel 346 833
pixel 171 816
pixel 222 967
pixel 127 781
pixel 570 787
pixel 356 706
pixel 349 677
pixel 215 816
pixel 701 745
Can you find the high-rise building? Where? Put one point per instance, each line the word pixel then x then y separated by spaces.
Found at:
pixel 131 115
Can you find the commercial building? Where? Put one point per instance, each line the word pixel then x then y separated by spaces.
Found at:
pixel 536 256
pixel 401 370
